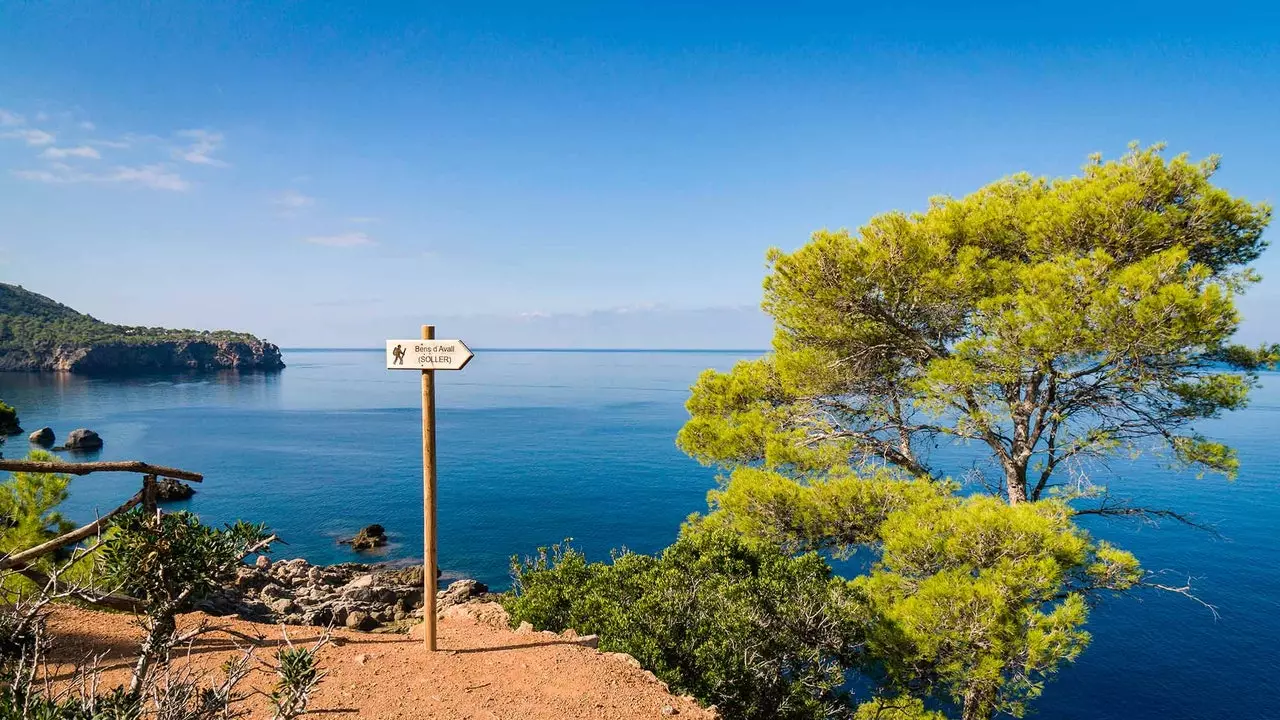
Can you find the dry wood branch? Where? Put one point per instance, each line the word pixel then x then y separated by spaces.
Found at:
pixel 71 468
pixel 25 557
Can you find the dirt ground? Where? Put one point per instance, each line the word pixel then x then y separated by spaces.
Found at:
pixel 482 671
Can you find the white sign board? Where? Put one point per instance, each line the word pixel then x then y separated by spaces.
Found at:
pixel 427 354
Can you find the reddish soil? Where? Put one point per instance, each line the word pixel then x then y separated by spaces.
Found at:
pixel 482 671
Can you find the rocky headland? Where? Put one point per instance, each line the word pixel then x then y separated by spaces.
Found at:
pixel 40 334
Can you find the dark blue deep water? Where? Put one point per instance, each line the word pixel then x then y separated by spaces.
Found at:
pixel 536 447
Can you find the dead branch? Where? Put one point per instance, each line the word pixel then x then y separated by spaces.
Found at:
pixel 85 468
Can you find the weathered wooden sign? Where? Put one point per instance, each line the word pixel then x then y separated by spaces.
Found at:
pixel 427 354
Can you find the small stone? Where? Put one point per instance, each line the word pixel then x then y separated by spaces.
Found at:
pixel 283 606
pixel 622 657
pixel 525 627
pixel 262 563
pixel 669 710
pixel 361 659
pixel 360 620
pixel 591 641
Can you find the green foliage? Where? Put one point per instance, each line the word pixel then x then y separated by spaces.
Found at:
pixel 757 632
pixel 1051 321
pixel 170 560
pixel 8 421
pixel 298 673
pixel 27 507
pixel 33 324
pixel 969 596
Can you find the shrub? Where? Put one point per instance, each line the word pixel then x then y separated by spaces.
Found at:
pixel 756 632
pixel 8 420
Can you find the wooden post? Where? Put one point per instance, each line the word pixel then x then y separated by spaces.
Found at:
pixel 149 494
pixel 429 498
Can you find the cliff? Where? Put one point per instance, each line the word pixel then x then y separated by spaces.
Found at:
pixel 39 334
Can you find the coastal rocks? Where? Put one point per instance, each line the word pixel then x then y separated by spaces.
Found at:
pixel 368 538
pixel 43 437
pixel 168 490
pixel 164 356
pixel 83 439
pixel 355 595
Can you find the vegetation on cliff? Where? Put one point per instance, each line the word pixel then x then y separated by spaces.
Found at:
pixel 1049 325
pixel 33 327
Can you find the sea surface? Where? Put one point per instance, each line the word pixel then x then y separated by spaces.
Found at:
pixel 536 447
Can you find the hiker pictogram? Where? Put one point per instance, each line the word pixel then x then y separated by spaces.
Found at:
pixel 398 352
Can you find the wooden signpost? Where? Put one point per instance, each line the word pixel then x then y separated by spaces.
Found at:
pixel 428 355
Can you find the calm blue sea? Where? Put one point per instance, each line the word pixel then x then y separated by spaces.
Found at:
pixel 539 446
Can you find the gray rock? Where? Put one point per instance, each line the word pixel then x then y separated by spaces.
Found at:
pixel 460 592
pixel 168 490
pixel 360 620
pixel 283 606
pixel 43 437
pixel 262 563
pixel 83 439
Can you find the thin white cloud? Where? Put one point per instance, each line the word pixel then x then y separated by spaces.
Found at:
pixel 203 144
pixel 156 177
pixel 31 136
pixel 82 151
pixel 345 240
pixel 293 200
pixel 9 118
pixel 362 220
pixel 86 125
pixel 117 144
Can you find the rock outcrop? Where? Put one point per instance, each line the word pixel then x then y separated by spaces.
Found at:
pixel 83 439
pixel 43 437
pixel 368 538
pixel 354 595
pixel 169 356
pixel 168 490
pixel 46 335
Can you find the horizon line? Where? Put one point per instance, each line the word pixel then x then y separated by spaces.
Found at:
pixel 547 350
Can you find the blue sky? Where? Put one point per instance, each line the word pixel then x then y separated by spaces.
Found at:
pixel 562 174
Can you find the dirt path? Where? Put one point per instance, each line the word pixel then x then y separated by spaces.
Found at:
pixel 482 671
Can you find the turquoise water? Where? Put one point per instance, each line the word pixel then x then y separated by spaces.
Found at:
pixel 537 446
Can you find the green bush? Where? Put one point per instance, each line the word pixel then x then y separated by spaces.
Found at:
pixel 27 502
pixel 8 420
pixel 756 632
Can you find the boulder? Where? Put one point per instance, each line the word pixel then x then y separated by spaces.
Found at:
pixel 460 592
pixel 360 620
pixel 368 538
pixel 83 439
pixel 262 563
pixel 168 489
pixel 43 437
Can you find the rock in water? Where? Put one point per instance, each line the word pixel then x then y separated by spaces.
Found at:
pixel 43 437
pixel 83 439
pixel 168 489
pixel 368 538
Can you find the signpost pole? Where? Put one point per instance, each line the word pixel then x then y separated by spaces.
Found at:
pixel 429 498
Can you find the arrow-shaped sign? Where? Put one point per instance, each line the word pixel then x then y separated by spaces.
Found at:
pixel 427 354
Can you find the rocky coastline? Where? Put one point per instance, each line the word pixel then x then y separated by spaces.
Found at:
pixel 354 595
pixel 161 356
